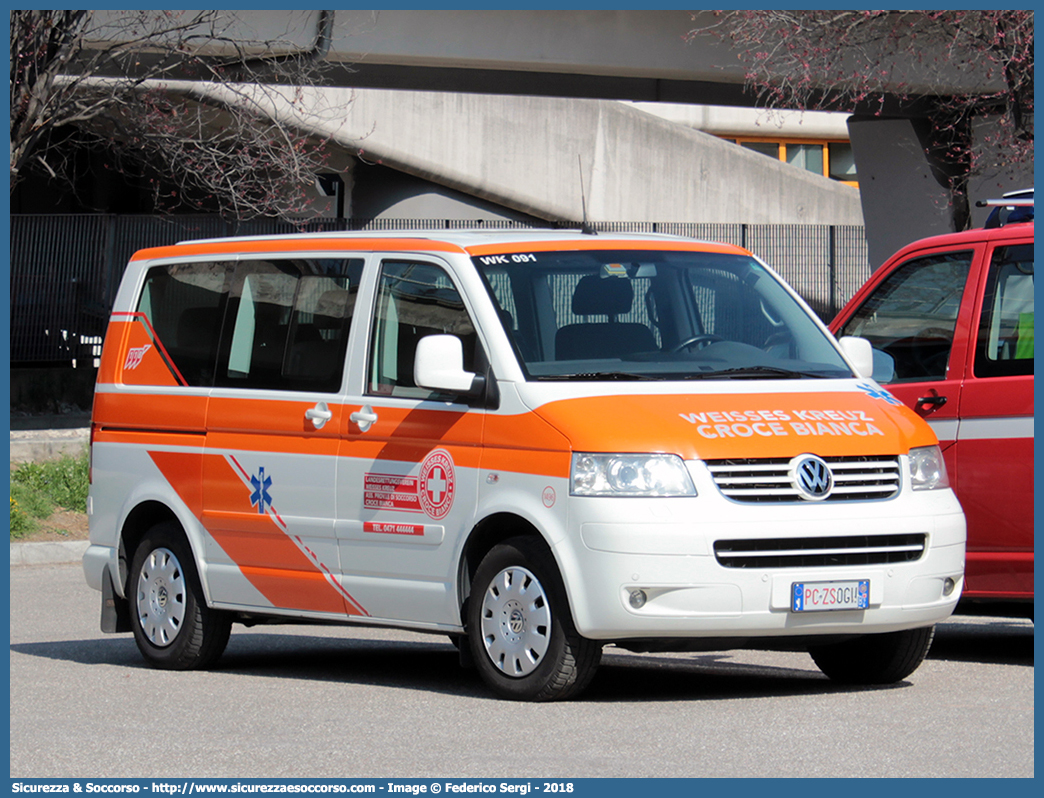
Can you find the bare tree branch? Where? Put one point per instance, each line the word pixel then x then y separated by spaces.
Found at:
pixel 843 60
pixel 81 78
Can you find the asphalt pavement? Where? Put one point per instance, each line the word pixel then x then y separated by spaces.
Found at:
pixel 356 702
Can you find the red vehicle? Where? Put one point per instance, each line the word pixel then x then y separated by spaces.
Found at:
pixel 950 319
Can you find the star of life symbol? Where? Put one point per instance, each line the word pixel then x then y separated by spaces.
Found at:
pixel 134 356
pixel 260 497
pixel 877 392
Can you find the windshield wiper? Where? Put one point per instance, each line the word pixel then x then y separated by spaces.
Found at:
pixel 600 375
pixel 752 372
pixel 771 372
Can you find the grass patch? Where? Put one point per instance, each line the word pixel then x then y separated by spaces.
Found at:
pixel 26 511
pixel 37 489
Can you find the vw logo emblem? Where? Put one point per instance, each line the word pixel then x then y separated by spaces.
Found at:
pixel 811 476
pixel 517 622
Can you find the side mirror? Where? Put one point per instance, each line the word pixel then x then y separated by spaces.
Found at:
pixel 439 366
pixel 884 367
pixel 859 353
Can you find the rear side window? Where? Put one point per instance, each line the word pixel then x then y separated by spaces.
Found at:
pixel 912 315
pixel 1004 346
pixel 280 325
pixel 184 304
pixel 287 325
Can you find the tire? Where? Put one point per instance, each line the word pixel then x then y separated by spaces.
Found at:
pixel 875 659
pixel 173 626
pixel 520 630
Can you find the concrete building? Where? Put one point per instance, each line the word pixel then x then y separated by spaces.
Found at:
pixel 816 141
pixel 445 155
pixel 637 55
pixel 442 155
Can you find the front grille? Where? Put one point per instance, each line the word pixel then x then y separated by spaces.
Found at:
pixel 861 478
pixel 819 552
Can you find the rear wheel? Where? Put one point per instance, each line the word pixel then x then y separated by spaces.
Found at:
pixel 173 627
pixel 520 630
pixel 875 659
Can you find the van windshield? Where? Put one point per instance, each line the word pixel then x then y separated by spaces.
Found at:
pixel 637 314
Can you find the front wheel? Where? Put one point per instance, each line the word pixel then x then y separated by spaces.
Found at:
pixel 875 659
pixel 520 630
pixel 173 626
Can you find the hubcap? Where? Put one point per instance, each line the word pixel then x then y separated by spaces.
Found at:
pixel 516 622
pixel 161 597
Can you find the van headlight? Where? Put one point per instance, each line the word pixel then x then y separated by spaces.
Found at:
pixel 629 475
pixel 928 469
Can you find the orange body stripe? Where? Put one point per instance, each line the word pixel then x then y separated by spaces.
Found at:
pixel 695 426
pixel 709 427
pixel 113 352
pixel 232 247
pixel 140 358
pixel 525 444
pixel 307 590
pixel 184 472
pixel 148 439
pixel 421 245
pixel 260 547
pixel 270 417
pixel 603 243
pixel 409 434
pixel 266 554
pixel 139 411
pixel 527 461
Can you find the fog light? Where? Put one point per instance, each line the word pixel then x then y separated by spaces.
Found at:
pixel 638 599
pixel 948 586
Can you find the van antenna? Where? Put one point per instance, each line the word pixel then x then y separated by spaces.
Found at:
pixel 585 226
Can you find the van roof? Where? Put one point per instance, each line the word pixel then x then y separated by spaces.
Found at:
pixel 463 237
pixel 468 241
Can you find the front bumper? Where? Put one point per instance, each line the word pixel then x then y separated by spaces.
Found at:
pixel 687 593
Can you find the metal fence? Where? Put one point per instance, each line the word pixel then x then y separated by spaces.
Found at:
pixel 65 269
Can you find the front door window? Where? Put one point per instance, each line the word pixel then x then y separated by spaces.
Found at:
pixel 911 317
pixel 413 300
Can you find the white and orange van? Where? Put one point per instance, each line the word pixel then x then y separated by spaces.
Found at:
pixel 535 442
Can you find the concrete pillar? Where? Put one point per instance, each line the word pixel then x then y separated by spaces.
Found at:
pixel 996 180
pixel 905 193
pixel 904 198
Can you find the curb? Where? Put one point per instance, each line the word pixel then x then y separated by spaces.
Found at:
pixel 39 445
pixel 48 553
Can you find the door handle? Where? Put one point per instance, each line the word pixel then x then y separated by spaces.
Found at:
pixel 319 414
pixel 931 403
pixel 364 418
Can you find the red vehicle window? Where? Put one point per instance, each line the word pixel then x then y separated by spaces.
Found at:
pixel 912 314
pixel 1004 347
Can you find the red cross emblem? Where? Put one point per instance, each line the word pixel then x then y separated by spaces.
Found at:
pixel 437 484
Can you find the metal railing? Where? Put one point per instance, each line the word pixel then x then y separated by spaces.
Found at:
pixel 65 269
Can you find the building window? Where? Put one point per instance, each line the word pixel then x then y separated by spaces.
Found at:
pixel 842 161
pixel 769 148
pixel 831 159
pixel 808 156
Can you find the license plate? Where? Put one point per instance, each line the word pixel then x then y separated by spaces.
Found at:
pixel 819 596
